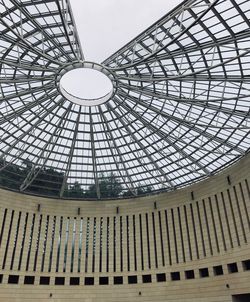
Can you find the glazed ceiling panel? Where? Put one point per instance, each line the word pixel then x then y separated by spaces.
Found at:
pixel 179 111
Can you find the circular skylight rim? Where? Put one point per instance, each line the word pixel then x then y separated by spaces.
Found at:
pixel 82 101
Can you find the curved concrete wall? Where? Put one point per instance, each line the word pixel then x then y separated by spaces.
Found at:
pixel 187 245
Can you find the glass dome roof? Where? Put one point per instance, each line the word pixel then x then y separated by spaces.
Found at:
pixel 178 111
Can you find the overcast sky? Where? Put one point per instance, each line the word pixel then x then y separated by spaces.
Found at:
pixel 104 26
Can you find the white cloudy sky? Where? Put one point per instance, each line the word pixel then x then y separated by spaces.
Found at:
pixel 104 26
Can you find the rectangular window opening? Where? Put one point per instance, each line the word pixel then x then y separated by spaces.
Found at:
pixel 161 277
pixel 74 281
pixel 13 279
pixel 218 270
pixel 103 280
pixel 175 276
pixel 204 272
pixel 147 279
pixel 118 280
pixel 232 268
pixel 189 274
pixel 246 265
pixel 132 279
pixel 29 280
pixel 59 280
pixel 44 281
pixel 89 281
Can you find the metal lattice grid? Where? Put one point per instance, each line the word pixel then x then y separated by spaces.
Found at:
pixel 179 114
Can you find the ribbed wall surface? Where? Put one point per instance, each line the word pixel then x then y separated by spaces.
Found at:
pixel 200 227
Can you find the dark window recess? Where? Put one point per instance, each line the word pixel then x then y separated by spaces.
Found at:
pixel 161 277
pixel 246 265
pixel 189 274
pixel 241 298
pixel 74 281
pixel 104 280
pixel 59 281
pixel 44 280
pixel 1 278
pixel 132 279
pixel 89 281
pixel 175 276
pixel 204 272
pixel 218 270
pixel 13 279
pixel 118 280
pixel 146 278
pixel 232 268
pixel 29 280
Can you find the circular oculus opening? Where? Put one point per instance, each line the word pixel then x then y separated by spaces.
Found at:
pixel 87 86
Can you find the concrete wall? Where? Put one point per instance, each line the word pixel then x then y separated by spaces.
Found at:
pixel 181 234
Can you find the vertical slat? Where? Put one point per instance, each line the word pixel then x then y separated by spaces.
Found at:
pixel 199 225
pixel 168 235
pixel 193 234
pixel 162 238
pixel 181 241
pixel 38 234
pixel 94 245
pixel 221 227
pixel 16 241
pixel 118 245
pixel 90 246
pixel 111 244
pixel 147 243
pixel 246 205
pixel 106 244
pixel 131 243
pixel 206 228
pixel 4 237
pixel 53 260
pixel 69 245
pixel 155 240
pixel 61 248
pixel 32 242
pixel 142 239
pixel 46 244
pixel 240 214
pixel 32 223
pixel 172 237
pixel 80 251
pixel 19 241
pixel 97 245
pixel 101 230
pixel 214 227
pixel 84 244
pixel 3 215
pixel 229 219
pixel 50 243
pixel 9 241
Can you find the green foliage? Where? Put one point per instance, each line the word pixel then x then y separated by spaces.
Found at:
pixel 74 191
pixel 140 190
pixel 47 182
pixel 109 187
pixel 12 175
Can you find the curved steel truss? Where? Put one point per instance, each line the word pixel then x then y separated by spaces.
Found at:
pixel 180 112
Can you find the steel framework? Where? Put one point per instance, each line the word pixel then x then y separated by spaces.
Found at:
pixel 180 111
